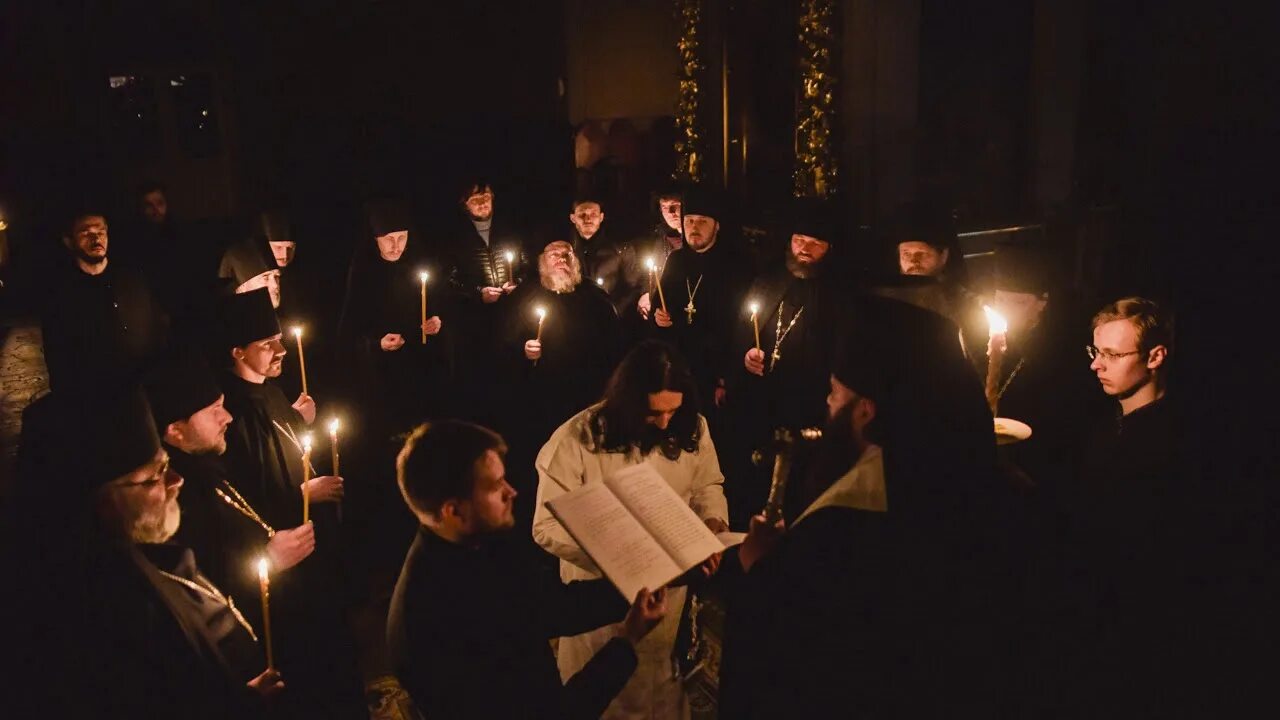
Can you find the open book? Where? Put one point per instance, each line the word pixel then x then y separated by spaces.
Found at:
pixel 639 532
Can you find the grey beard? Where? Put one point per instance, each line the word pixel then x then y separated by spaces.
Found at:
pixel 562 282
pixel 157 528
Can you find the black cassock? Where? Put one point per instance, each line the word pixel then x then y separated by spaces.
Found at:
pixel 314 649
pixel 809 314
pixel 99 329
pixel 714 283
pixel 396 389
pixel 580 347
pixel 227 542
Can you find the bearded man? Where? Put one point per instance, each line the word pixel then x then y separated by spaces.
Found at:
pixel 558 371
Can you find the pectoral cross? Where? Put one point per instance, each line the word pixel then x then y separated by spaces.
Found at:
pixel 690 310
pixel 776 357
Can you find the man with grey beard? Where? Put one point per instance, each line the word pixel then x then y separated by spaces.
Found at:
pixel 556 372
pixel 134 628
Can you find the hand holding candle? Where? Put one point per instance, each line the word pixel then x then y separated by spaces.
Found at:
pixel 537 342
pixel 302 360
pixel 264 587
pixel 511 266
pixel 306 479
pixel 423 277
pixel 755 321
pixel 656 281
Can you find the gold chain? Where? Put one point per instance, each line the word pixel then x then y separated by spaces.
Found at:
pixel 781 334
pixel 693 293
pixel 243 506
pixel 212 592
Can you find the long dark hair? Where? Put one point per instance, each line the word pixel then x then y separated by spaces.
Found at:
pixel 619 425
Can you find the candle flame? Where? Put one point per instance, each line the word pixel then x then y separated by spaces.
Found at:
pixel 755 308
pixel 650 264
pixel 511 256
pixel 263 566
pixel 996 323
pixel 600 282
pixel 333 427
pixel 306 443
pixel 542 313
pixel 297 331
pixel 423 277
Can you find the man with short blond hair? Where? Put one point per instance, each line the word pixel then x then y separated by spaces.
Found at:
pixel 1132 338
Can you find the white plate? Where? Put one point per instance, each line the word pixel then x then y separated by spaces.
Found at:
pixel 1009 431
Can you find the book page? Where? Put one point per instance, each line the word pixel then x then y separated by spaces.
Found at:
pixel 622 549
pixel 665 515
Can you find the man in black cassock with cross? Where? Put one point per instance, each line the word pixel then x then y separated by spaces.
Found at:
pixel 264 453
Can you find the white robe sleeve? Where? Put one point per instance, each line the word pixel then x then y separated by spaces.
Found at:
pixel 707 497
pixel 561 469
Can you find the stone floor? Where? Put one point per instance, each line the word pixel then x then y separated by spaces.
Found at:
pixel 22 377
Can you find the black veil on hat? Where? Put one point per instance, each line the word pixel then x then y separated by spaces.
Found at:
pixel 248 317
pixel 178 386
pixel 121 435
pixel 817 217
pixel 385 216
pixel 274 226
pixel 246 259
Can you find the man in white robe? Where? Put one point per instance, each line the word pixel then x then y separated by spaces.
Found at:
pixel 649 415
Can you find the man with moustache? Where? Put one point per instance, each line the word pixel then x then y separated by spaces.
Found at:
pixel 704 284
pixel 564 370
pixel 149 634
pixel 783 383
pixel 219 524
pixel 264 459
pixel 100 322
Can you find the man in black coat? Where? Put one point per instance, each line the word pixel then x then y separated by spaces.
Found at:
pixel 218 523
pixel 866 606
pixel 704 284
pixel 604 259
pixel 474 609
pixel 101 324
pixel 265 445
pixel 798 309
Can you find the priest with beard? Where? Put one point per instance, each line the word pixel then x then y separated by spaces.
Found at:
pixel 869 596
pixel 264 455
pixel 704 284
pixel 218 523
pixel 563 369
pixel 799 308
pixel 100 322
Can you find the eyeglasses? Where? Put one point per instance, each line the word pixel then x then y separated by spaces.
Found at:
pixel 1094 353
pixel 161 475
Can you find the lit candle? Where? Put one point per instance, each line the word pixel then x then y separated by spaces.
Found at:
pixel 542 315
pixel 333 445
pixel 755 322
pixel 302 359
pixel 654 280
pixel 306 478
pixel 997 335
pixel 264 586
pixel 511 272
pixel 600 281
pixel 423 277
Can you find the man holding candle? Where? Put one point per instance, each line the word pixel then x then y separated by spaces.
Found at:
pixel 801 307
pixel 577 348
pixel 149 634
pixel 218 522
pixel 474 609
pixel 666 237
pixel 705 284
pixel 264 460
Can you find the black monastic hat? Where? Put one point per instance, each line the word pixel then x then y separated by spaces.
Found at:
pixel 248 317
pixel 817 217
pixel 246 259
pixel 121 437
pixel 386 216
pixel 179 386
pixel 1021 269
pixel 701 200
pixel 274 225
